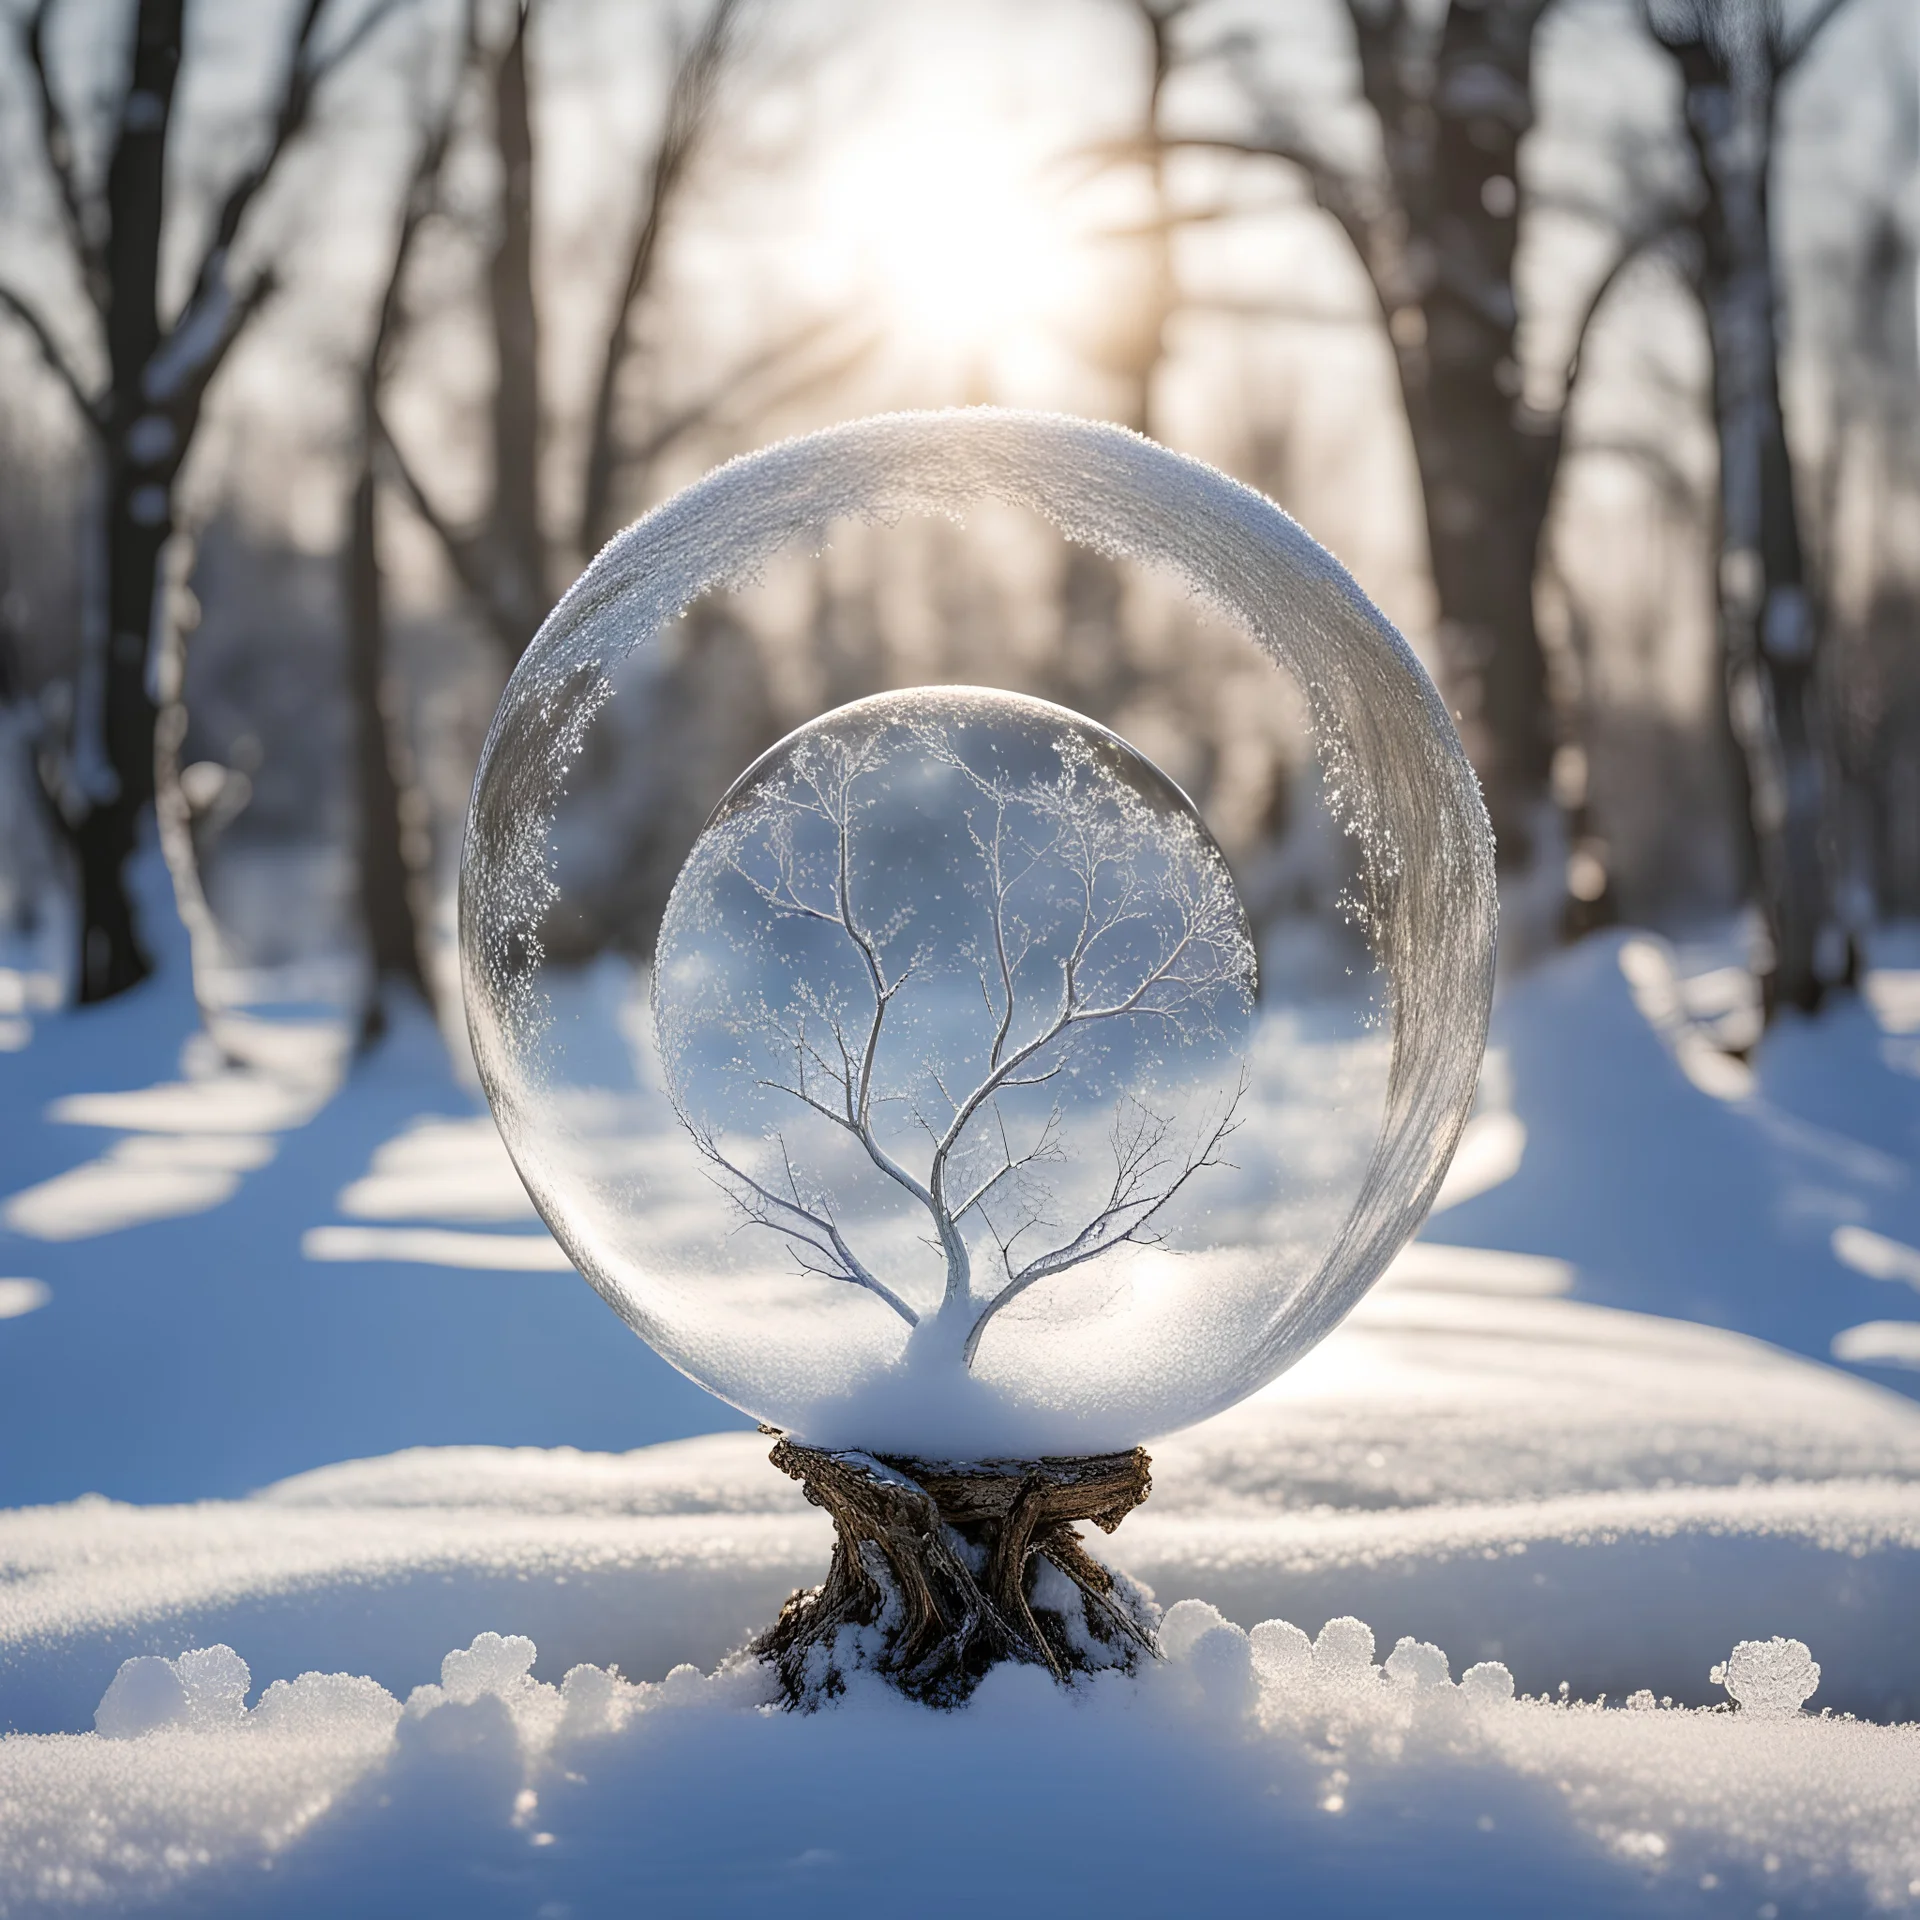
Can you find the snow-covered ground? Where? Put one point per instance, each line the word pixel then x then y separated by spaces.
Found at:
pixel 340 1366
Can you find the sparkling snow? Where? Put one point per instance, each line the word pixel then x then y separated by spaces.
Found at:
pixel 1559 1601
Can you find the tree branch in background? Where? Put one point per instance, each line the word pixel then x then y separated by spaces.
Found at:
pixel 516 539
pixel 90 409
pixel 1631 251
pixel 56 147
pixel 394 854
pixel 464 551
pixel 689 109
pixel 734 387
pixel 304 73
pixel 1334 192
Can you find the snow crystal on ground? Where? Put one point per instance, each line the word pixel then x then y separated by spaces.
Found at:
pixel 1243 1767
pixel 1506 1477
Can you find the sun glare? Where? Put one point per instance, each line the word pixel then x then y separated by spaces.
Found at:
pixel 946 222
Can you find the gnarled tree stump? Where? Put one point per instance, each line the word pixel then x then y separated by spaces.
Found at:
pixel 942 1570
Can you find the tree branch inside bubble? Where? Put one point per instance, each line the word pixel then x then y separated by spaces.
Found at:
pixel 954 997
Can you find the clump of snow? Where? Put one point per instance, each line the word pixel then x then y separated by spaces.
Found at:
pixel 1770 1678
pixel 1235 1761
pixel 146 1693
pixel 1418 1664
pixel 1280 1649
pixel 1185 1624
pixel 1345 1646
pixel 1487 1683
pixel 205 1687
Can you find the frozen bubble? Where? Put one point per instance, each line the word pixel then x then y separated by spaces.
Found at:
pixel 1771 1679
pixel 953 998
pixel 1345 1645
pixel 147 1693
pixel 977 1237
pixel 1418 1664
pixel 1487 1683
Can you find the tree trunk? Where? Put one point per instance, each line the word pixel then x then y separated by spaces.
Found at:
pixel 1768 629
pixel 387 876
pixel 944 1562
pixel 684 117
pixel 1486 462
pixel 140 469
pixel 515 535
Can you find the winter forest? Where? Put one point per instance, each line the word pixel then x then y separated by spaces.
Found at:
pixel 932 1071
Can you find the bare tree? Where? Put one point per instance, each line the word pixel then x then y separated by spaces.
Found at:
pixel 144 414
pixel 1091 916
pixel 1135 351
pixel 691 100
pixel 1434 221
pixel 507 559
pixel 1733 57
pixel 392 860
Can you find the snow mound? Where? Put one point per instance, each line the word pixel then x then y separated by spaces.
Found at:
pixel 714 1473
pixel 1239 1763
pixel 1577 1493
pixel 1777 1198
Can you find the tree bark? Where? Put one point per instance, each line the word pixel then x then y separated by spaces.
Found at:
pixel 1451 123
pixel 1730 65
pixel 393 844
pixel 387 876
pixel 140 471
pixel 685 115
pixel 941 1562
pixel 157 381
pixel 515 533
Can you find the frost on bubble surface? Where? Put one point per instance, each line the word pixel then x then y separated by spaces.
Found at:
pixel 1167 1201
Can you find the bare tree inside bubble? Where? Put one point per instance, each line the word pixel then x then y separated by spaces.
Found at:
pixel 955 990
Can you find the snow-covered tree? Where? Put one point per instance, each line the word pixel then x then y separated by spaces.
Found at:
pixel 143 412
